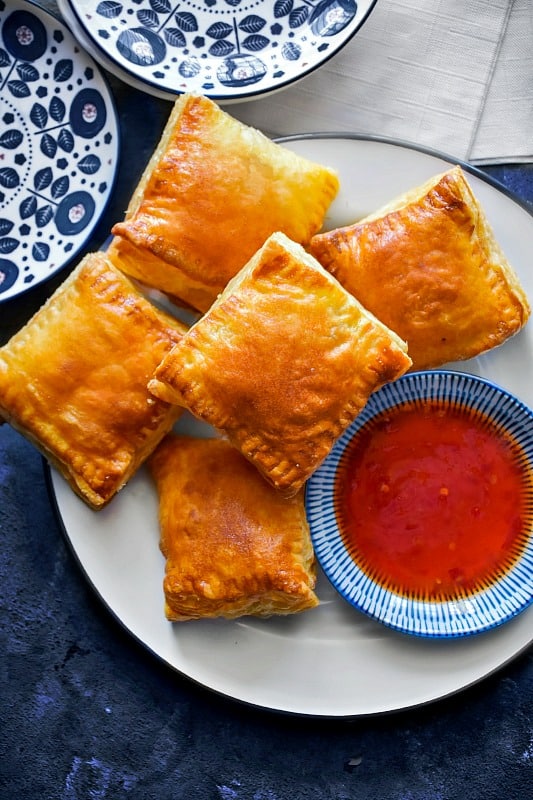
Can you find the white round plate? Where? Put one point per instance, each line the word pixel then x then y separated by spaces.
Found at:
pixel 498 597
pixel 228 50
pixel 59 143
pixel 332 661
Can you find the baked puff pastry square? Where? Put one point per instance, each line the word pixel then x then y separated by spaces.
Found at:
pixel 74 379
pixel 232 544
pixel 428 265
pixel 211 194
pixel 282 363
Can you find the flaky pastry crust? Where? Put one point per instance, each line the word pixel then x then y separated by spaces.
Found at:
pixel 212 193
pixel 232 544
pixel 74 379
pixel 281 363
pixel 428 265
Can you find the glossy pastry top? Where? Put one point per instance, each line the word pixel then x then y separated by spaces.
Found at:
pixel 232 544
pixel 212 193
pixel 429 267
pixel 74 379
pixel 281 363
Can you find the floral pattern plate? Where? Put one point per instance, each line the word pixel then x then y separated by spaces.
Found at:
pixel 229 50
pixel 59 142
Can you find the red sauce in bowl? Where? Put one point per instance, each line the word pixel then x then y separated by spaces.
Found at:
pixel 433 500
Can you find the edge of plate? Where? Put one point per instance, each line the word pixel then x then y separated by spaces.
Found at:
pixel 473 169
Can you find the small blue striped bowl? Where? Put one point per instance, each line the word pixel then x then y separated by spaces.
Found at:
pixel 504 593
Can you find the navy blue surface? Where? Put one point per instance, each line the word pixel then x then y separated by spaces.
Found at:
pixel 86 712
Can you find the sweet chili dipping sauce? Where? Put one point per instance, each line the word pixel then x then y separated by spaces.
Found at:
pixel 432 500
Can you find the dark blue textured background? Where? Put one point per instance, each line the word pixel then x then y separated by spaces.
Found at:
pixel 86 712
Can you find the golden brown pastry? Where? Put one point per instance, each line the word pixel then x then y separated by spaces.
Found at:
pixel 74 379
pixel 281 363
pixel 212 193
pixel 232 544
pixel 428 265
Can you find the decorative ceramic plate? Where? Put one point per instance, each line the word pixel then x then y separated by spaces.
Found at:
pixel 229 50
pixel 332 661
pixel 59 143
pixel 473 573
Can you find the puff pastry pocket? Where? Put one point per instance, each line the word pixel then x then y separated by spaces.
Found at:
pixel 281 363
pixel 428 265
pixel 211 194
pixel 233 545
pixel 74 379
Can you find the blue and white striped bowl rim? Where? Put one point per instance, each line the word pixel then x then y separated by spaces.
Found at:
pixel 475 613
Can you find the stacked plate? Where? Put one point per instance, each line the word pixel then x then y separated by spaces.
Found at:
pixel 59 142
pixel 228 50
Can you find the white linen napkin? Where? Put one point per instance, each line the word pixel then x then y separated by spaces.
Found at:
pixel 505 130
pixel 453 76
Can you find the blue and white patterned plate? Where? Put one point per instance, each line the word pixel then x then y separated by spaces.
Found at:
pixel 499 598
pixel 59 142
pixel 229 50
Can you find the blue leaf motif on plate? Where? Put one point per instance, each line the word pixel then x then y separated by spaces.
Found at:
pixel 5 61
pixel 11 139
pixel 187 22
pixel 219 30
pixel 63 70
pixel 27 72
pixel 233 3
pixel 28 207
pixel 66 140
pixel 43 179
pixel 255 43
pixel 18 88
pixel 282 8
pixel 39 115
pixel 8 245
pixel 40 251
pixel 174 37
pixel 9 178
pixel 252 23
pixel 6 225
pixel 89 164
pixel 148 19
pixel 221 48
pixel 60 187
pixel 298 16
pixel 48 145
pixel 109 9
pixel 161 6
pixel 44 215
pixel 57 109
pixel 291 51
